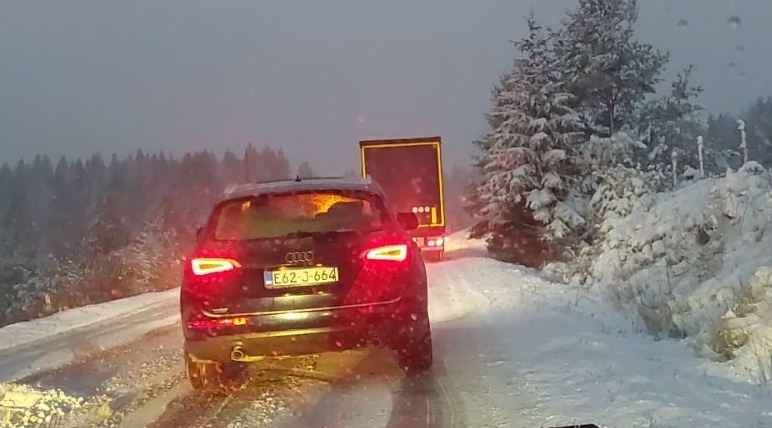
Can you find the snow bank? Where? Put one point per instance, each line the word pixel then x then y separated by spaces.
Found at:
pixel 63 322
pixel 542 354
pixel 694 263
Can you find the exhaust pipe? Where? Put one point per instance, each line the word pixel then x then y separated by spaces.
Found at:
pixel 237 354
pixel 376 342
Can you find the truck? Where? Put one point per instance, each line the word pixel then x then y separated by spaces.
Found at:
pixel 410 172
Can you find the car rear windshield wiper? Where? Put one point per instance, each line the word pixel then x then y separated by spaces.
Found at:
pixel 299 234
pixel 317 234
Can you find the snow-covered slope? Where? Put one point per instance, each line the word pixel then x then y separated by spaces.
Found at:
pixel 682 260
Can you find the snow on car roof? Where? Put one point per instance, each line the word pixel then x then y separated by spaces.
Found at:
pixel 321 183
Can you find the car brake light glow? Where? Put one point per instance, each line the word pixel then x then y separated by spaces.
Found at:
pixel 206 266
pixel 397 253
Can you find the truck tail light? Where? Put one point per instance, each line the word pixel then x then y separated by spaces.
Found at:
pixel 435 242
pixel 396 253
pixel 202 266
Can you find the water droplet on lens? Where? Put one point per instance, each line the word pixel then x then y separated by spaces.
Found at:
pixel 682 24
pixel 734 22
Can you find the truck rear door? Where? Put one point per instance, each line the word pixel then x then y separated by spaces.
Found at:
pixel 410 175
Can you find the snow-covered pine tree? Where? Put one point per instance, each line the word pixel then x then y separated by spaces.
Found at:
pixel 456 181
pixel 18 222
pixel 108 230
pixel 150 258
pixel 528 179
pixel 305 170
pixel 473 206
pixel 39 196
pixel 275 165
pixel 672 122
pixel 606 68
pixel 232 169
pixel 473 201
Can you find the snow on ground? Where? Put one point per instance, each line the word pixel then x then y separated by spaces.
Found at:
pixel 52 342
pixel 696 263
pixel 546 354
pixel 514 349
pixel 449 301
pixel 66 321
pixel 60 339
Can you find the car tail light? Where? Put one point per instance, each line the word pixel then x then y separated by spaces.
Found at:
pixel 397 253
pixel 206 266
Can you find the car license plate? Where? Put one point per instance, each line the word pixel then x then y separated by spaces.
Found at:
pixel 293 277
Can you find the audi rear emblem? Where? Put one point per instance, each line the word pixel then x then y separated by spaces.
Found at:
pixel 299 257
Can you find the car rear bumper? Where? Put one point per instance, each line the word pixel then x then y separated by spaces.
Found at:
pixel 254 346
pixel 310 332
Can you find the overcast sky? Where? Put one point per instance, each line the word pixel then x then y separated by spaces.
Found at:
pixel 311 76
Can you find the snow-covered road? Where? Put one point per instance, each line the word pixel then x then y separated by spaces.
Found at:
pixel 512 350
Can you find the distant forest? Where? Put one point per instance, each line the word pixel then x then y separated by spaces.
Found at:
pixel 73 233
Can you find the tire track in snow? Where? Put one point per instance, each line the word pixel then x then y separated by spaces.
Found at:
pixel 253 400
pixel 451 295
pixel 376 393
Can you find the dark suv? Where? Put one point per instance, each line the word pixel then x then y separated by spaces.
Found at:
pixel 299 267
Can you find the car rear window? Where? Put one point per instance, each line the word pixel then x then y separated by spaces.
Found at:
pixel 273 216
